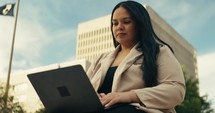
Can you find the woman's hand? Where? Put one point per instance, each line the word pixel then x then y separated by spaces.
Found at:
pixel 118 97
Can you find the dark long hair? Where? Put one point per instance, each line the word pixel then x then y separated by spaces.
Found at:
pixel 148 41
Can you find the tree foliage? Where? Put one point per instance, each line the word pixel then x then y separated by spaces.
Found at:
pixel 193 102
pixel 12 107
pixel 42 110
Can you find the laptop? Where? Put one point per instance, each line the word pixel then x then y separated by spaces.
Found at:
pixel 66 90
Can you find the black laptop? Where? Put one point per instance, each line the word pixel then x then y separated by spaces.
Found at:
pixel 66 90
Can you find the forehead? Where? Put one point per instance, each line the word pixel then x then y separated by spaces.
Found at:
pixel 121 13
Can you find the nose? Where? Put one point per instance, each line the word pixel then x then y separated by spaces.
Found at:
pixel 120 26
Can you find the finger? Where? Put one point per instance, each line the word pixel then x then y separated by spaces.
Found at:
pixel 99 95
pixel 111 102
pixel 102 94
pixel 106 99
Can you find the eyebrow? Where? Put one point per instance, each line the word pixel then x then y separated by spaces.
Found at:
pixel 122 19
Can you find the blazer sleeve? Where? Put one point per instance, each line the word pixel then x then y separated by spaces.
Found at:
pixel 170 90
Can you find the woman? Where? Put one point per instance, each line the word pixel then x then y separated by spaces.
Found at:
pixel 142 73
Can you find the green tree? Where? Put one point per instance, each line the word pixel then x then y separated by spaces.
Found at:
pixel 12 107
pixel 193 102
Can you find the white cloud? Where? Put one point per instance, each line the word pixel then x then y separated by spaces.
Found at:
pixel 29 40
pixel 4 41
pixel 185 16
pixel 197 17
pixel 31 37
pixel 206 69
pixel 34 35
pixel 174 10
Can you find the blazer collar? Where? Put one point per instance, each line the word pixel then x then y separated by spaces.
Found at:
pixel 133 55
pixel 106 63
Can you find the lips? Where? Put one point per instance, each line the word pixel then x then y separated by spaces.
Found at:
pixel 120 34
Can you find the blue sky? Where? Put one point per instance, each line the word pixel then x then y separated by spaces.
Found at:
pixel 46 31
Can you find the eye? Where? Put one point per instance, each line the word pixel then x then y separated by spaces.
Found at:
pixel 127 21
pixel 114 23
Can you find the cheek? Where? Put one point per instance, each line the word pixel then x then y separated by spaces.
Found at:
pixel 114 31
pixel 132 31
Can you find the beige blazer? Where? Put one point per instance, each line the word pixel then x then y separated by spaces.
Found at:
pixel 159 99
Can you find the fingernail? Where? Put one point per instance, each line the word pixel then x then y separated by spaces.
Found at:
pixel 106 105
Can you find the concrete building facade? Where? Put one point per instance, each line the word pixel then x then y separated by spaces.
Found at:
pixel 94 37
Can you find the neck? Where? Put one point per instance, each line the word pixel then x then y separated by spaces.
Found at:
pixel 127 47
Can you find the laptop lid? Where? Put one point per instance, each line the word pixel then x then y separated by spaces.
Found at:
pixel 66 89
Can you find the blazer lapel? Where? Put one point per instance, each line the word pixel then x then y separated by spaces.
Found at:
pixel 133 55
pixel 105 65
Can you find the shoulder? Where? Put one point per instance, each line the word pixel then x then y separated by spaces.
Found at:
pixel 165 51
pixel 101 57
pixel 96 64
pixel 166 55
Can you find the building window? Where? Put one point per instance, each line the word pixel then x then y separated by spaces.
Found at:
pixel 103 30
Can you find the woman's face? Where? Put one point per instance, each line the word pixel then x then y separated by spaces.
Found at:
pixel 124 27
